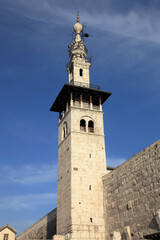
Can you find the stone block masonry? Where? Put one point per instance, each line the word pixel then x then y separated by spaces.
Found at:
pixel 132 195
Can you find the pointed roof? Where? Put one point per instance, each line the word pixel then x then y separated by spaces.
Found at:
pixel 9 227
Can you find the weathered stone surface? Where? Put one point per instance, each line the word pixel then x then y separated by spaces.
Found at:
pixel 133 189
pixel 115 235
pixel 126 235
pixel 58 237
pixel 157 217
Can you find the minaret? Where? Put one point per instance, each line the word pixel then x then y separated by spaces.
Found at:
pixel 81 150
pixel 78 67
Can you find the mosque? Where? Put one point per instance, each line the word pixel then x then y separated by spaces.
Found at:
pixel 96 202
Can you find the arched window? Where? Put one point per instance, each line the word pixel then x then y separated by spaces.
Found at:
pixel 80 72
pixel 83 125
pixel 91 126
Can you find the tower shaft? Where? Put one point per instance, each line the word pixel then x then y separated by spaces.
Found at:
pixel 81 150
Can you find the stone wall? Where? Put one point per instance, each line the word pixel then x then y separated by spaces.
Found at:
pixel 45 228
pixel 132 195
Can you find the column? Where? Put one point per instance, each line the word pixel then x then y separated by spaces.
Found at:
pixel 100 104
pixel 91 104
pixel 81 100
pixel 71 99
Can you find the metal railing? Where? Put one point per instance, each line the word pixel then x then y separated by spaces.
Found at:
pixel 76 103
pixel 83 128
pixel 96 107
pixel 81 84
pixel 91 129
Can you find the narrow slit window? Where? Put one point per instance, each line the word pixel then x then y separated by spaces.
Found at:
pixel 64 133
pixel 90 187
pixel 65 130
pixel 91 220
pixel 81 72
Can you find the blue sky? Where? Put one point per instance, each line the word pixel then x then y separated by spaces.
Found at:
pixel 34 39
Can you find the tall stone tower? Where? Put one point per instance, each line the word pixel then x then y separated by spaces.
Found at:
pixel 81 150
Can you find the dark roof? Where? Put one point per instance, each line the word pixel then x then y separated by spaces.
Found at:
pixel 7 226
pixel 110 168
pixel 64 95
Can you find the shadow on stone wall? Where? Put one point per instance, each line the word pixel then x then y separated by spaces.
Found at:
pixel 155 223
pixel 51 226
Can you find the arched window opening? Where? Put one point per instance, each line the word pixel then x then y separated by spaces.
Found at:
pixel 91 126
pixel 83 125
pixel 80 72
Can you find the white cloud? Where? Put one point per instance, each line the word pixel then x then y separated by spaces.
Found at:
pixel 137 23
pixel 29 174
pixel 29 201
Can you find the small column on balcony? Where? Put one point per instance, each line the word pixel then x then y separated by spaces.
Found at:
pixel 100 104
pixel 71 99
pixel 91 104
pixel 60 116
pixel 67 107
pixel 81 101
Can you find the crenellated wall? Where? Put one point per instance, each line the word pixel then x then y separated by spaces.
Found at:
pixel 132 195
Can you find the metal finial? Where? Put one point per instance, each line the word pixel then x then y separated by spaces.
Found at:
pixel 77 16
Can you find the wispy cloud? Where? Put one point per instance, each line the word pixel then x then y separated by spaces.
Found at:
pixel 29 174
pixel 138 23
pixel 27 201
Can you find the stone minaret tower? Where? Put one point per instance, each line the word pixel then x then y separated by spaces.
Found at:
pixel 81 150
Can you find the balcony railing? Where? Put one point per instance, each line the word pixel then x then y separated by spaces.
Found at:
pixel 91 129
pixel 76 103
pixel 81 84
pixel 83 128
pixel 96 107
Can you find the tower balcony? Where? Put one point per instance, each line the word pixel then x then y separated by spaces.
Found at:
pixel 86 85
pixel 81 95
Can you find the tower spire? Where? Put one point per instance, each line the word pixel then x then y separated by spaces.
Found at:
pixel 78 66
pixel 78 16
pixel 78 29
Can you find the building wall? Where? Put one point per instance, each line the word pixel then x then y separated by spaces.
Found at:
pixel 64 178
pixel 132 194
pixel 81 155
pixel 11 235
pixel 88 165
pixel 45 228
pixel 83 65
